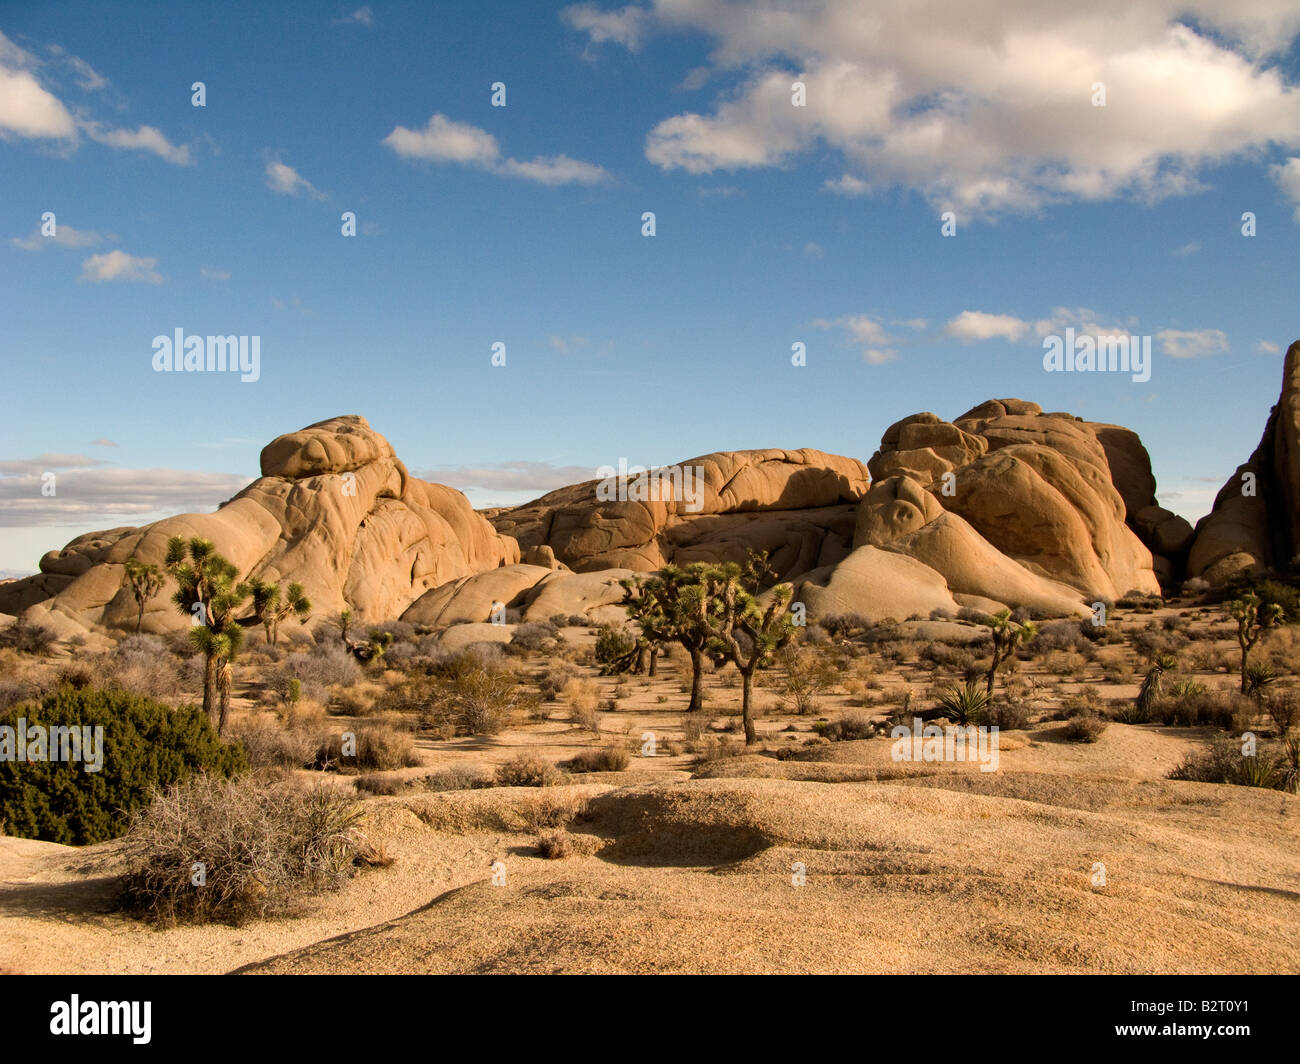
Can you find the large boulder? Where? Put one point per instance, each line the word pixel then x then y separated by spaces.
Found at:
pixel 1254 527
pixel 733 501
pixel 334 510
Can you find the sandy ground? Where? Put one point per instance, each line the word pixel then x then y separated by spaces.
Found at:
pixel 934 871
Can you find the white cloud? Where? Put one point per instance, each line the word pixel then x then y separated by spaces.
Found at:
pixel 565 344
pixel 87 490
pixel 1287 175
pixel 987 107
pixel 287 181
pixel 626 26
pixel 877 356
pixel 88 78
pixel 973 325
pixel 814 250
pixel 866 333
pixel 1193 343
pixel 29 110
pixel 146 138
pixel 362 16
pixel 64 236
pixel 103 442
pixel 209 274
pixel 119 266
pixel 1267 347
pixel 847 185
pixel 443 140
pixel 1188 249
pixel 555 170
pixel 1083 321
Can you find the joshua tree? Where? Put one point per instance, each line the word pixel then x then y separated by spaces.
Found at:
pixel 678 607
pixel 1007 635
pixel 749 632
pixel 647 603
pixel 1253 618
pixel 271 605
pixel 145 581
pixel 208 594
pixel 1153 685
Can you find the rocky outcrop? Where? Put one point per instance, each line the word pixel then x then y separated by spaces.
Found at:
pixel 1254 526
pixel 334 510
pixel 796 505
pixel 1012 505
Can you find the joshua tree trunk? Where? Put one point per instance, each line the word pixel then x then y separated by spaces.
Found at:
pixel 225 674
pixel 654 659
pixel 746 703
pixel 642 655
pixel 139 617
pixel 697 681
pixel 1245 659
pixel 210 687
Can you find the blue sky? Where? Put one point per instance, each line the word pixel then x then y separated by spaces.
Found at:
pixel 522 224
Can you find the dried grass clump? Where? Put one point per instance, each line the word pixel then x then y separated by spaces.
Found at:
pixel 604 759
pixel 528 771
pixel 218 850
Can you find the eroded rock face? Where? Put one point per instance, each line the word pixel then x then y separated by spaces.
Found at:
pixel 1254 527
pixel 334 510
pixel 1011 505
pixel 796 505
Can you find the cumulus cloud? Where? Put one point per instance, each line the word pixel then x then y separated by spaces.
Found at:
pixel 985 108
pixel 1267 347
pixel 287 181
pixel 626 26
pixel 443 140
pixel 1192 343
pixel 88 491
pixel 29 108
pixel 865 333
pixel 973 325
pixel 119 266
pixel 1287 175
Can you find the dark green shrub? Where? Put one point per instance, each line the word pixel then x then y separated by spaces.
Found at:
pixel 146 746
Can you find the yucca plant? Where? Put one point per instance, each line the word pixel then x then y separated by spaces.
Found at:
pixel 1152 688
pixel 966 703
pixel 1260 675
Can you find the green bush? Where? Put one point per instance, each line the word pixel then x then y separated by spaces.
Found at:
pixel 146 746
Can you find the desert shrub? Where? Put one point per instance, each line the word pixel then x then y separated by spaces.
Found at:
pixel 527 770
pixel 14 691
pixel 1007 716
pixel 263 846
pixel 615 648
pixel 145 745
pixel 457 778
pixel 966 613
pixel 27 638
pixel 1284 710
pixel 143 665
pixel 462 694
pixel 965 704
pixel 381 784
pixel 846 728
pixel 268 744
pixel 530 637
pixel 805 675
pixel 844 625
pixel 1085 727
pixel 1260 675
pixel 604 759
pixel 554 845
pixel 1064 662
pixel 380 747
pixel 1218 708
pixel 583 695
pixel 1223 762
pixel 323 666
pixel 551 680
pixel 941 655
pixel 550 810
pixel 1065 635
